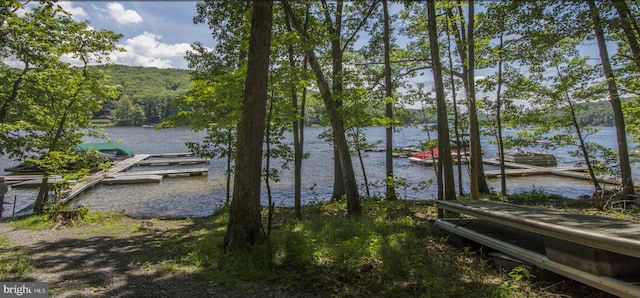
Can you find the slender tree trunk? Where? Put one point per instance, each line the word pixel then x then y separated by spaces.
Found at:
pixel 356 140
pixel 245 227
pixel 583 148
pixel 335 29
pixel 456 116
pixel 229 171
pixel 6 103
pixel 614 99
pixel 478 181
pixel 390 193
pixel 338 177
pixel 465 45
pixel 300 154
pixel 43 195
pixel 298 126
pixel 335 118
pixel 267 165
pixel 444 146
pixel 503 177
pixel 630 28
pixel 297 147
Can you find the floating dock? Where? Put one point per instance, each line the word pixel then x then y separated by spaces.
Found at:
pixel 117 174
pixel 166 162
pixel 518 169
pixel 96 178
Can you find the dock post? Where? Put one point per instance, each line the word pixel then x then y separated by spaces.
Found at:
pixel 13 213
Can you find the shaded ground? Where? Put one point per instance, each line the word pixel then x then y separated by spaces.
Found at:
pixel 127 257
pixel 84 261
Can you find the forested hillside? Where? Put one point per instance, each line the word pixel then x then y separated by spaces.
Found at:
pixel 146 94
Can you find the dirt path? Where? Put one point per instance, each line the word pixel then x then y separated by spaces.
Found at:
pixel 130 260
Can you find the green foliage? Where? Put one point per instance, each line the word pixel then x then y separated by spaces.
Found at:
pixel 46 105
pixel 517 275
pixel 387 251
pixel 147 94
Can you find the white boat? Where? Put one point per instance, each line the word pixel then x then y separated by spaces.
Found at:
pixel 529 158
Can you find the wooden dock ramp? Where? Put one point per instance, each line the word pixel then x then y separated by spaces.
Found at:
pixel 601 252
pixel 96 178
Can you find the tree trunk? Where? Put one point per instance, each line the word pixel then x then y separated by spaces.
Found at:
pixel 339 138
pixel 298 132
pixel 390 193
pixel 337 123
pixel 503 177
pixel 445 164
pixel 229 171
pixel 456 117
pixel 245 227
pixel 337 88
pixel 614 99
pixel 478 180
pixel 630 28
pixel 583 148
pixel 43 195
pixel 465 45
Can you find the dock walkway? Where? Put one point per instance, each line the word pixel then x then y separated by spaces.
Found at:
pixel 518 169
pixel 96 178
pixel 117 174
pixel 598 251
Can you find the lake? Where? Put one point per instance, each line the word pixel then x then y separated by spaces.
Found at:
pixel 201 196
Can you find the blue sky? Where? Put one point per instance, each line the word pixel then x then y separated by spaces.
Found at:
pixel 156 33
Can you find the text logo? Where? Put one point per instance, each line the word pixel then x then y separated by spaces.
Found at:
pixel 24 289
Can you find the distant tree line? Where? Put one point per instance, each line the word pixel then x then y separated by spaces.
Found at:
pixel 147 96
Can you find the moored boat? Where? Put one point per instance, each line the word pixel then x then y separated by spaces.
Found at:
pixel 108 151
pixel 112 151
pixel 518 155
pixel 431 156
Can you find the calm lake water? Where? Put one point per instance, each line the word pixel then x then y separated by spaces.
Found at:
pixel 201 196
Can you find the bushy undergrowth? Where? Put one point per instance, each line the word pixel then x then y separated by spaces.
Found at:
pixel 388 251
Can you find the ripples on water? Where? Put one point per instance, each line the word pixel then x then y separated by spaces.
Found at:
pixel 200 196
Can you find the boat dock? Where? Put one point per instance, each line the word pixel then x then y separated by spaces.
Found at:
pixel 518 169
pixel 601 252
pixel 118 174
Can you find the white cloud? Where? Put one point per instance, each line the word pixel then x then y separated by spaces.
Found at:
pixel 123 16
pixel 77 12
pixel 146 50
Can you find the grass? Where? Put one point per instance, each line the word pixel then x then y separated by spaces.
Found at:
pixel 33 222
pixel 14 262
pixel 392 250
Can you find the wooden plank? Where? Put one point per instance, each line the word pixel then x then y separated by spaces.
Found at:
pixel 568 172
pixel 35 183
pixel 178 154
pixel 182 161
pixel 615 235
pixel 172 172
pixel 132 179
pixel 96 178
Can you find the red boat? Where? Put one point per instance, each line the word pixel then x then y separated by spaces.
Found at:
pixel 431 156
